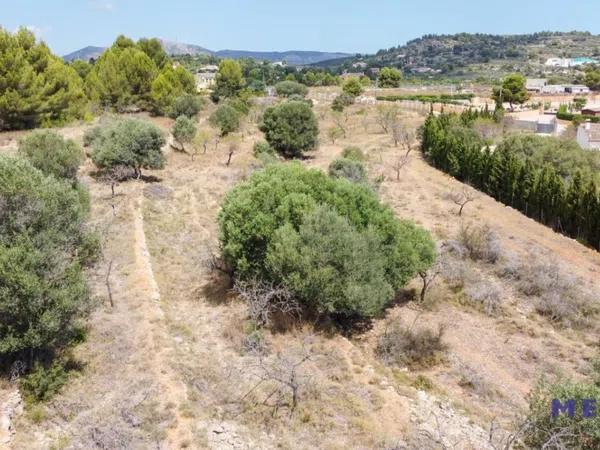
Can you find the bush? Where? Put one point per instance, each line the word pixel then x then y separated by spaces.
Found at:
pixel 577 432
pixel 349 169
pixel 341 102
pixel 49 152
pixel 352 87
pixel 130 143
pixel 262 147
pixel 330 266
pixel 268 231
pixel 487 295
pixel 43 290
pixel 404 346
pixel 353 153
pixel 184 130
pixel 90 135
pixel 560 296
pixel 226 118
pixel 188 105
pixel 481 243
pixel 242 106
pixel 289 88
pixel 290 128
pixel 43 383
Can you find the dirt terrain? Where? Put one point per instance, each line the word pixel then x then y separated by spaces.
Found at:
pixel 164 366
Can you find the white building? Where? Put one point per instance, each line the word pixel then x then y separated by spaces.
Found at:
pixel 577 89
pixel 588 136
pixel 206 77
pixel 535 84
pixel 558 62
pixel 553 89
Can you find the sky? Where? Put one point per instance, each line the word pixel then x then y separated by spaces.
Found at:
pixel 351 26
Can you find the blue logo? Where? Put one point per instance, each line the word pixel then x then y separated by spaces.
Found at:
pixel 569 407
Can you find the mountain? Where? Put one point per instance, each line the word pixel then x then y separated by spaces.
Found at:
pixel 85 53
pixel 293 57
pixel 179 48
pixel 468 54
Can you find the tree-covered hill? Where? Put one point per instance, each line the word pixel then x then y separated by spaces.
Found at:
pixel 473 54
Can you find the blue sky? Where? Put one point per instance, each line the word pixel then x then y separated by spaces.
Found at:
pixel 334 25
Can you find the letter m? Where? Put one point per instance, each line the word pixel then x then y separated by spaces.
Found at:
pixel 558 407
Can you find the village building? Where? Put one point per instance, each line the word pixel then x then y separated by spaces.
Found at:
pixel 577 89
pixel 206 77
pixel 535 84
pixel 591 111
pixel 588 136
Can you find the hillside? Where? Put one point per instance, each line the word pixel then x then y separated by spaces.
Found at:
pixel 473 54
pixel 168 363
pixel 292 57
pixel 85 53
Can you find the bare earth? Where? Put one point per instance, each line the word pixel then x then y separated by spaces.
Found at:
pixel 165 367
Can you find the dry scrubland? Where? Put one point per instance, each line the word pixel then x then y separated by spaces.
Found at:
pixel 172 364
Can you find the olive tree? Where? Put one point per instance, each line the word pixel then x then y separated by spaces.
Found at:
pixel 226 118
pixel 352 87
pixel 132 143
pixel 291 128
pixel 184 130
pixel 49 152
pixel 330 242
pixel 288 88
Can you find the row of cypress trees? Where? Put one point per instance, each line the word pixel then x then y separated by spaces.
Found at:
pixel 570 206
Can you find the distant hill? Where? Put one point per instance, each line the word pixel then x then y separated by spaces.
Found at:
pixel 472 54
pixel 179 48
pixel 85 53
pixel 293 57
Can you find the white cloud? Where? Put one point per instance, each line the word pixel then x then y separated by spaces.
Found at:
pixel 102 5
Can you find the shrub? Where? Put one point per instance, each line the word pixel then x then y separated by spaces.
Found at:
pixel 266 223
pixel 353 153
pixel 299 98
pixel 481 243
pixel 352 87
pixel 330 266
pixel 487 295
pixel 43 291
pixel 404 346
pixel 130 143
pixel 188 105
pixel 90 135
pixel 341 102
pixel 184 130
pixel 226 118
pixel 52 154
pixel 290 128
pixel 241 105
pixel 577 432
pixel 334 133
pixel 289 88
pixel 262 147
pixel 349 169
pixel 43 383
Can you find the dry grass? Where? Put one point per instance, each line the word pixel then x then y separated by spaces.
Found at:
pixel 176 369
